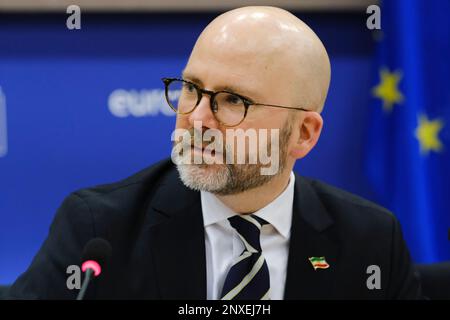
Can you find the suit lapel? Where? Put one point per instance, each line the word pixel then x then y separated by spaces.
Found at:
pixel 311 236
pixel 178 241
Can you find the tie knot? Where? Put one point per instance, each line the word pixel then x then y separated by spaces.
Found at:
pixel 248 228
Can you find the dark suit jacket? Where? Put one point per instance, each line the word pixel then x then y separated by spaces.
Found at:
pixel 155 227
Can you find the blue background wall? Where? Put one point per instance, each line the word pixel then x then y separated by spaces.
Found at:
pixel 63 133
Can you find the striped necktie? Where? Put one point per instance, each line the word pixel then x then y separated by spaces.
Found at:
pixel 248 278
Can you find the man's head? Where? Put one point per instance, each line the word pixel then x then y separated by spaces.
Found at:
pixel 272 57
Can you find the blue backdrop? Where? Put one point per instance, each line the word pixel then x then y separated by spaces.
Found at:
pixel 86 107
pixel 408 161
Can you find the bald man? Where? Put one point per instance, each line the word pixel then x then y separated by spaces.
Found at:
pixel 198 227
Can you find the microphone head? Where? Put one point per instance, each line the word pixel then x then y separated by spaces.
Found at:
pixel 98 250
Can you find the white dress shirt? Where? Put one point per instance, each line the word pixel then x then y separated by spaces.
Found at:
pixel 223 245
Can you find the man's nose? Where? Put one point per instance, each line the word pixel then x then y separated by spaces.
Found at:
pixel 204 114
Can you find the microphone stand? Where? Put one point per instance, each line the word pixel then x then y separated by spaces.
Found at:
pixel 87 279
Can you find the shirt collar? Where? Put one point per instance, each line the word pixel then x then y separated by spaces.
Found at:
pixel 278 213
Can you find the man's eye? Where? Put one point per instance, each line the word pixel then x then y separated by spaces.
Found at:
pixel 232 99
pixel 189 87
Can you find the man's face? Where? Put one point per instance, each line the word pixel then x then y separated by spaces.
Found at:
pixel 241 67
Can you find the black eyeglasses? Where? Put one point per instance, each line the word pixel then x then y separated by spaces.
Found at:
pixel 229 108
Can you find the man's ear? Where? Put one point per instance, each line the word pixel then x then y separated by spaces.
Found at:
pixel 308 132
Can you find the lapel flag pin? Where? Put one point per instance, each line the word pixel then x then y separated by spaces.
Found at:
pixel 319 263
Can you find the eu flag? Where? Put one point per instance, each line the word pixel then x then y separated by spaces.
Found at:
pixel 408 145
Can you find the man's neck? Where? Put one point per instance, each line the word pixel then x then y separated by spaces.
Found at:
pixel 252 200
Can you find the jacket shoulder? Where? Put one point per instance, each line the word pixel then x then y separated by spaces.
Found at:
pixel 340 198
pixel 153 175
pixel 351 212
pixel 124 203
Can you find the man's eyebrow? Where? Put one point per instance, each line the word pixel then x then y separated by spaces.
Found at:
pixel 187 76
pixel 229 88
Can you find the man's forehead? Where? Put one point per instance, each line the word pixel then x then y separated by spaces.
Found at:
pixel 247 75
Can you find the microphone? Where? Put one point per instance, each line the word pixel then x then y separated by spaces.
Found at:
pixel 96 254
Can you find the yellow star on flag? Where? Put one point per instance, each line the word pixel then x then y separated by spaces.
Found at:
pixel 427 132
pixel 387 90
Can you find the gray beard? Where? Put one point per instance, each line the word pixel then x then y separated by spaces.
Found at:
pixel 228 179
